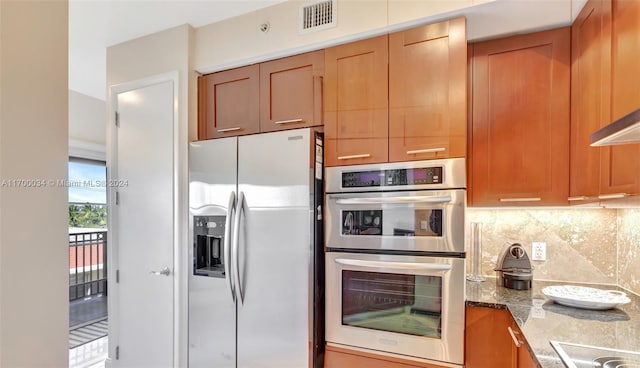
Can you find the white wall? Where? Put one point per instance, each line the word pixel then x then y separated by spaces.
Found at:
pixel 225 43
pixel 34 249
pixel 148 56
pixel 87 126
pixel 238 41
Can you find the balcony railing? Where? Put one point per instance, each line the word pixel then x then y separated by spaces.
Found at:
pixel 87 264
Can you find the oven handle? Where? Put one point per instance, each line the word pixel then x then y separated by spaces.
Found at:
pixel 395 265
pixel 399 200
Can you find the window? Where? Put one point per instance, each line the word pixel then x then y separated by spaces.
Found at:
pixel 87 194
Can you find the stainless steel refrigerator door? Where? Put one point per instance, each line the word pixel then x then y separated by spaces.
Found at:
pixel 212 312
pixel 274 318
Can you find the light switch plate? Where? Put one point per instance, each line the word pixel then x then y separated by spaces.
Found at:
pixel 539 251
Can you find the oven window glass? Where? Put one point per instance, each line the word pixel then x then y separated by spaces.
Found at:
pixel 394 221
pixel 407 304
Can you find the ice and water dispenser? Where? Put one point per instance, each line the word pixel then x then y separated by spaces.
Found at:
pixel 208 252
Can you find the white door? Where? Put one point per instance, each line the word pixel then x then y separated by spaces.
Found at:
pixel 142 308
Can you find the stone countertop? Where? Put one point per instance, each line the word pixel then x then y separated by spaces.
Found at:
pixel 541 320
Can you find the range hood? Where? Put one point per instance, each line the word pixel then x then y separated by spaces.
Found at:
pixel 625 130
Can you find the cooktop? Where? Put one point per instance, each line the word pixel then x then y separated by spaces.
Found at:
pixel 585 356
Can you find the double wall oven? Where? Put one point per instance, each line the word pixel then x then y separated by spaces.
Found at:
pixel 395 270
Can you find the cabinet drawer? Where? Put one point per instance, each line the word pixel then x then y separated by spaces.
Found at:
pixel 338 357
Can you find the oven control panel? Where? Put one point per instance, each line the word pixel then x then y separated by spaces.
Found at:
pixel 392 177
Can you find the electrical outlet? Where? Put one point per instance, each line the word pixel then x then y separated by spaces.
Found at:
pixel 539 251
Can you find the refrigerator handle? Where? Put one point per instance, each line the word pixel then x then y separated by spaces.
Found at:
pixel 231 211
pixel 236 243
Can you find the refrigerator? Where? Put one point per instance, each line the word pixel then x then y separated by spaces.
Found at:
pixel 256 280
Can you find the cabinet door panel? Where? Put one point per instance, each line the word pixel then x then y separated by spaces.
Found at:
pixel 620 164
pixel 488 343
pixel 525 360
pixel 291 92
pixel 590 96
pixel 520 137
pixel 427 92
pixel 230 101
pixel 356 104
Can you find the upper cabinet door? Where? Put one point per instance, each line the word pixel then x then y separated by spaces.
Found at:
pixel 428 92
pixel 356 103
pixel 291 92
pixel 228 103
pixel 590 96
pixel 620 164
pixel 520 136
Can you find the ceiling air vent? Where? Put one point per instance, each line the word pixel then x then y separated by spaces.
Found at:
pixel 317 16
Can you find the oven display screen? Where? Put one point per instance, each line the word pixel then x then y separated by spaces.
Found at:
pixel 407 304
pixel 396 221
pixel 392 177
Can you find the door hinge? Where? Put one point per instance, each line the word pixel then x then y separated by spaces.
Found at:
pixel 117 352
pixel 117 276
pixel 117 119
pixel 117 198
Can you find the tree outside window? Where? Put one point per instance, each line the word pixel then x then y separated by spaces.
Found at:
pixel 87 194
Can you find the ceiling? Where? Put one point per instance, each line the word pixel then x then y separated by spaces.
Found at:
pixel 95 25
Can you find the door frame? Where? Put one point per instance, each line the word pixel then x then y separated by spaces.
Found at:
pixel 180 224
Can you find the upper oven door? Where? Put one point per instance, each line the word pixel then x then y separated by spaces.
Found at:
pixel 426 220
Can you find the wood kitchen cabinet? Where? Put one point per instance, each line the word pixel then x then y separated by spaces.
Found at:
pixel 590 96
pixel 291 92
pixel 338 357
pixel 525 360
pixel 228 103
pixel 428 92
pixel 356 102
pixel 520 120
pixel 487 339
pixel 491 336
pixel 621 164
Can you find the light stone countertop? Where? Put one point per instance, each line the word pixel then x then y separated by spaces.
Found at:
pixel 541 320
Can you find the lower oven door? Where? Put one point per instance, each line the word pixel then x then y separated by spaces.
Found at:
pixel 409 305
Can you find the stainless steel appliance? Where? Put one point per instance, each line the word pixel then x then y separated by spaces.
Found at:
pixel 585 356
pixel 395 265
pixel 255 284
pixel 514 269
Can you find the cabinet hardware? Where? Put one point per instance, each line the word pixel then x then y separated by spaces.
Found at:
pixel 578 198
pixel 228 130
pixel 532 199
pixel 394 200
pixel 427 150
pixel 612 196
pixel 364 155
pixel 288 121
pixel 513 337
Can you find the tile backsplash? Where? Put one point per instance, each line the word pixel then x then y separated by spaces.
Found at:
pixel 583 245
pixel 629 249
